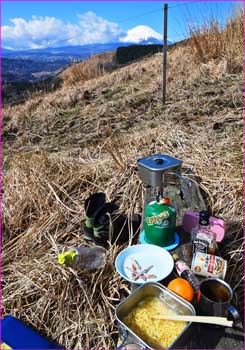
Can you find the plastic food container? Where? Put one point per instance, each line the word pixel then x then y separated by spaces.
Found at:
pixel 209 265
pixel 217 225
pixel 152 289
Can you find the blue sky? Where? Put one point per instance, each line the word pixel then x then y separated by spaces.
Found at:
pixel 33 24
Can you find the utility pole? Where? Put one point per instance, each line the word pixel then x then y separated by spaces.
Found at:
pixel 165 49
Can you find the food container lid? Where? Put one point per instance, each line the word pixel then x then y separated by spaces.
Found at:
pixel 159 162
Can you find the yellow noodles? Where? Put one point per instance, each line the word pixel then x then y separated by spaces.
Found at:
pixel 156 333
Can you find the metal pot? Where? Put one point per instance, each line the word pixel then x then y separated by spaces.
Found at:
pixel 152 289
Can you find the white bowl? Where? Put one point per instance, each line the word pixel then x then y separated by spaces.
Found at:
pixel 146 255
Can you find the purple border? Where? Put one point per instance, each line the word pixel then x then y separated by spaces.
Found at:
pixel 1 170
pixel 168 1
pixel 243 158
pixel 1 144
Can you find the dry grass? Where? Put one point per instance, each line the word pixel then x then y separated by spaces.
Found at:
pixel 212 41
pixel 78 115
pixel 80 312
pixel 119 118
pixel 90 68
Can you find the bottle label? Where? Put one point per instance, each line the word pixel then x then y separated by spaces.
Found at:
pixel 200 245
pixel 159 219
pixel 211 263
pixel 208 265
pixel 181 266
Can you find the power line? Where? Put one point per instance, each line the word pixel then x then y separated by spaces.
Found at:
pixel 173 26
pixel 159 9
pixel 141 15
pixel 186 3
pixel 173 7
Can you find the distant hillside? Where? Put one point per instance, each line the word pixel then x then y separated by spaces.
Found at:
pixel 77 52
pixel 34 65
pixel 21 65
pixel 45 61
pixel 26 76
pixel 99 64
pixel 134 52
pixel 30 70
pixel 95 94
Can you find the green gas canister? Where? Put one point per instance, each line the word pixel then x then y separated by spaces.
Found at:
pixel 159 222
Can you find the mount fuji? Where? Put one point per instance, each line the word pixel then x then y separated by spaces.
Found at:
pixel 142 35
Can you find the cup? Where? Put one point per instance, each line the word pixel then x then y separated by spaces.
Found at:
pixel 215 300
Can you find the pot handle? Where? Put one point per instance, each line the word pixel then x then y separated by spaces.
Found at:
pixel 125 342
pixel 234 314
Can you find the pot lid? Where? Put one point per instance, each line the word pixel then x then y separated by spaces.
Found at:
pixel 159 162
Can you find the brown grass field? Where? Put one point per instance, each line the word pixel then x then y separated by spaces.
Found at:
pixel 87 136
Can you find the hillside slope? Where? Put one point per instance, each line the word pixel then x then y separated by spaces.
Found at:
pixel 77 116
pixel 83 138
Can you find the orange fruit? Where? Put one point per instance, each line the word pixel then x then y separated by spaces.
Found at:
pixel 182 288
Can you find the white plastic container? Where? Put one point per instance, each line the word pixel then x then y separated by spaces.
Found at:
pixel 209 265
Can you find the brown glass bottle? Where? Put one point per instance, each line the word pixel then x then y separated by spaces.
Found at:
pixel 185 272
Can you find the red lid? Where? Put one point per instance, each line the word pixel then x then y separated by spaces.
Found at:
pixel 166 201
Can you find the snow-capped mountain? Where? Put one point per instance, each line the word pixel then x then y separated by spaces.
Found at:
pixel 142 35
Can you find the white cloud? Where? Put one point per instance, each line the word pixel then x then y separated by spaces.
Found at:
pixel 97 29
pixel 42 32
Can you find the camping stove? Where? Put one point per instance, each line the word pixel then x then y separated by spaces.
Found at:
pixel 161 175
